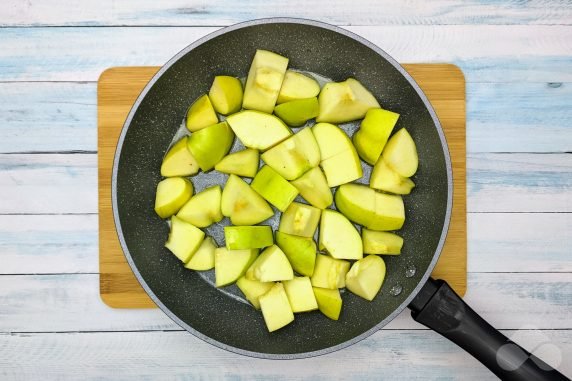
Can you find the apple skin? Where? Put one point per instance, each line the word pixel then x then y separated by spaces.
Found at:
pixel 313 187
pixel 247 237
pixel 264 81
pixel 242 163
pixel 201 114
pixel 297 112
pixel 210 144
pixel 226 94
pixel 300 294
pixel 253 290
pixel 203 258
pixel 203 209
pixel 257 129
pixel 400 153
pixel 339 237
pixel 242 204
pixel 179 161
pixel 230 265
pixel 366 277
pixel 374 210
pixel 274 188
pixel 172 194
pixel 374 131
pixel 276 308
pixel 300 251
pixel 376 242
pixel 272 265
pixel 386 179
pixel 342 102
pixel 297 86
pixel 329 302
pixel 300 219
pixel 184 239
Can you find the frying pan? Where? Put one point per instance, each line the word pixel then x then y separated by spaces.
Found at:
pixel 220 317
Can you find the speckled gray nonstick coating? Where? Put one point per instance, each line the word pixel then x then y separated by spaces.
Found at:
pixel 184 295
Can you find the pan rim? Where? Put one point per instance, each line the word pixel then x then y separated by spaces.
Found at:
pixel 412 82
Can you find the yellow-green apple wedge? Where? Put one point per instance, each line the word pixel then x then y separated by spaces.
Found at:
pixel 179 161
pixel 272 265
pixel 253 289
pixel 210 144
pixel 230 265
pixel 329 302
pixel 297 86
pixel 242 204
pixel 300 251
pixel 294 156
pixel 374 210
pixel 184 239
pixel 331 139
pixel 373 133
pixel 172 194
pixel 203 258
pixel 339 237
pixel 226 94
pixel 366 277
pixel 344 101
pixel 296 113
pixel 329 272
pixel 248 237
pixel 203 209
pixel 264 81
pixel 300 219
pixel 300 294
pixel 386 179
pixel 375 242
pixel 257 129
pixel 313 186
pixel 201 114
pixel 274 188
pixel 275 307
pixel 400 153
pixel 242 163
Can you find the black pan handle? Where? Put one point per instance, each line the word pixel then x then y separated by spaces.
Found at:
pixel 438 307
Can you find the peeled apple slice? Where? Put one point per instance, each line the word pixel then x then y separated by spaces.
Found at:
pixel 203 258
pixel 300 294
pixel 179 161
pixel 253 290
pixel 172 194
pixel 232 264
pixel 297 86
pixel 242 204
pixel 271 266
pixel 375 242
pixel 184 239
pixel 366 277
pixel 329 272
pixel 386 179
pixel 276 308
pixel 296 113
pixel 400 153
pixel 344 101
pixel 203 209
pixel 313 186
pixel 201 114
pixel 300 219
pixel 339 237
pixel 264 81
pixel 258 130
pixel 242 163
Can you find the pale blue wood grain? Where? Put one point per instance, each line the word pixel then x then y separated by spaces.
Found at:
pixel 485 53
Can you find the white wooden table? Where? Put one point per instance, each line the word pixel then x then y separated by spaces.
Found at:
pixel 517 58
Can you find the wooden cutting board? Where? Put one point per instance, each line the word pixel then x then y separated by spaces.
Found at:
pixel 117 89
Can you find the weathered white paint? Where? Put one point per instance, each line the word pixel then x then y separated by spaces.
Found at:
pixel 81 54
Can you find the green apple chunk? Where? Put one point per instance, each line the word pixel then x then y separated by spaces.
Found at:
pixel 329 272
pixel 331 140
pixel 366 277
pixel 253 290
pixel 276 308
pixel 242 204
pixel 241 163
pixel 271 266
pixel 339 237
pixel 294 156
pixel 274 188
pixel 300 294
pixel 297 86
pixel 203 209
pixel 264 81
pixel 400 153
pixel 258 130
pixel 172 194
pixel 201 114
pixel 313 186
pixel 374 210
pixel 375 242
pixel 184 239
pixel 300 219
pixel 329 302
pixel 344 101
pixel 226 94
pixel 386 179
pixel 203 258
pixel 232 264
pixel 179 161
pixel 296 113
pixel 374 131
pixel 211 144
pixel 247 237
pixel 301 252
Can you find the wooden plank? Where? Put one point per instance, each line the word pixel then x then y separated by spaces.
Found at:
pixel 51 54
pixel 70 302
pixel 536 113
pixel 38 244
pixel 395 355
pixel 224 12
